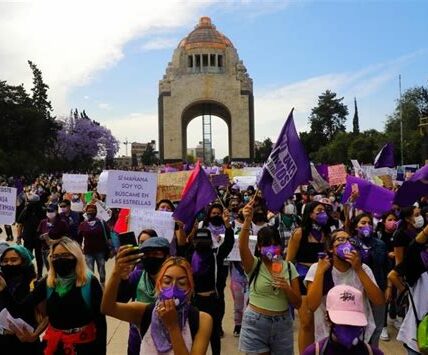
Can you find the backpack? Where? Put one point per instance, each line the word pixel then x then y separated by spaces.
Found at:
pixel 85 290
pixel 147 319
pixel 321 351
pixel 421 327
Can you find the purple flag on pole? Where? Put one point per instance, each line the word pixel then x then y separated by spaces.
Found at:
pixel 287 167
pixel 385 158
pixel 323 171
pixel 197 196
pixel 373 198
pixel 413 189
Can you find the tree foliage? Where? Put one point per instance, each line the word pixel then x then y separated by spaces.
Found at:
pixel 81 140
pixel 262 152
pixel 149 155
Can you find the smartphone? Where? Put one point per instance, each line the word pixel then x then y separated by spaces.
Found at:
pixel 128 238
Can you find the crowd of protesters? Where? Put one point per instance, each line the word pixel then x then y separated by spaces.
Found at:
pixel 345 273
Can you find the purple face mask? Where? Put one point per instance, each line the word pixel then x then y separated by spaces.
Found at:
pixel 347 335
pixel 321 218
pixel 175 293
pixel 424 258
pixel 343 249
pixel 365 231
pixel 270 251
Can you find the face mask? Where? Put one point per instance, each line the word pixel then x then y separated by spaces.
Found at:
pixel 241 216
pixel 235 209
pixel 50 215
pixel 390 226
pixel 90 216
pixel 259 217
pixel 347 335
pixel 152 265
pixel 175 293
pixel 332 199
pixel 270 251
pixel 221 192
pixel 64 209
pixel 64 267
pixel 246 198
pixel 216 220
pixel 419 222
pixel 344 249
pixel 321 218
pixel 11 271
pixel 365 231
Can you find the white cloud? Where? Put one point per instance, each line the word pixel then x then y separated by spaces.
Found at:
pixel 72 41
pixel 159 43
pixel 104 106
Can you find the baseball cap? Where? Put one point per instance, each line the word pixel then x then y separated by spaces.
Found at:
pixel 345 306
pixel 155 243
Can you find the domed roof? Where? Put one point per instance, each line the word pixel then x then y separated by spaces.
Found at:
pixel 205 35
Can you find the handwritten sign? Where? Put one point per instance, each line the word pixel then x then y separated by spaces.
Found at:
pixel 244 181
pixel 337 174
pixel 160 221
pixel 7 205
pixel 234 254
pixel 76 183
pixel 170 185
pixel 219 180
pixel 131 189
pixel 102 212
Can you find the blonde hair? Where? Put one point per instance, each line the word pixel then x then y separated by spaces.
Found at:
pixel 175 261
pixel 73 248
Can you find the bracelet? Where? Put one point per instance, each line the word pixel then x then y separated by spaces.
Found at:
pixel 245 229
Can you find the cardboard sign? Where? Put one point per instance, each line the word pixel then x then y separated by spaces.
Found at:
pixel 170 185
pixel 219 180
pixel 76 183
pixel 131 189
pixel 244 181
pixel 234 254
pixel 160 221
pixel 103 213
pixel 102 183
pixel 337 175
pixel 7 205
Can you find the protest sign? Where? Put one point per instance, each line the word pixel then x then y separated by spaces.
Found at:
pixel 102 213
pixel 77 183
pixel 170 185
pixel 244 181
pixel 102 182
pixel 7 205
pixel 131 189
pixel 160 221
pixel 318 183
pixel 219 180
pixel 234 254
pixel 336 174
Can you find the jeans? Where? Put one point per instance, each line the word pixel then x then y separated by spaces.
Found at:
pixel 239 288
pixel 379 317
pixel 101 264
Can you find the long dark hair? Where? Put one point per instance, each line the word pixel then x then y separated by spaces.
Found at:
pixel 357 220
pixel 210 208
pixel 381 224
pixel 405 212
pixel 307 221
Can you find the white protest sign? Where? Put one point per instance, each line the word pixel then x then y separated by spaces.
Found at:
pixel 160 221
pixel 77 183
pixel 102 183
pixel 234 254
pixel 244 181
pixel 131 189
pixel 7 205
pixel 102 213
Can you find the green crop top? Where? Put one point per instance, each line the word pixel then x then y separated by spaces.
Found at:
pixel 262 294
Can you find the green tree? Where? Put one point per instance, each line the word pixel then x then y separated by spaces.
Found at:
pixel 40 92
pixel 356 119
pixel 262 152
pixel 327 118
pixel 335 152
pixel 149 155
pixel 414 103
pixel 364 146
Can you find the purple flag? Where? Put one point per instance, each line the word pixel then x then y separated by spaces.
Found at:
pixel 373 198
pixel 197 195
pixel 385 158
pixel 413 189
pixel 287 167
pixel 323 171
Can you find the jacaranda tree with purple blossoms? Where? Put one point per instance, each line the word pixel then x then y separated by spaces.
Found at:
pixel 81 140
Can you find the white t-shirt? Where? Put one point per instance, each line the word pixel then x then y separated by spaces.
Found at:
pixel 407 333
pixel 349 278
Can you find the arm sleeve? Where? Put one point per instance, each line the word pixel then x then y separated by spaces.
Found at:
pixel 227 245
pixel 370 274
pixel 310 276
pixel 293 271
pixel 128 288
pixel 400 240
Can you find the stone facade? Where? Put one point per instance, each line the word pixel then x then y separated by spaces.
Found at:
pixel 205 76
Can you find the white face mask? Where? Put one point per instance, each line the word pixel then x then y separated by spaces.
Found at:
pixel 419 222
pixel 51 215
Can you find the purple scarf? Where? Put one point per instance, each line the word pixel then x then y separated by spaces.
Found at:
pixel 216 230
pixel 160 334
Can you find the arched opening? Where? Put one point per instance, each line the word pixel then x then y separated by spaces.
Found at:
pixel 195 131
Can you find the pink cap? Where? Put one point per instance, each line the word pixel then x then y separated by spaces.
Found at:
pixel 345 306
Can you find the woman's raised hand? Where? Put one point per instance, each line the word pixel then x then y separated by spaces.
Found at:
pixel 126 258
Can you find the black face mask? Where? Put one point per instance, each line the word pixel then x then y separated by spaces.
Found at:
pixel 259 217
pixel 11 271
pixel 64 267
pixel 216 220
pixel 152 265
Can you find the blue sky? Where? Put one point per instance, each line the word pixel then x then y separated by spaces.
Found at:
pixel 108 59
